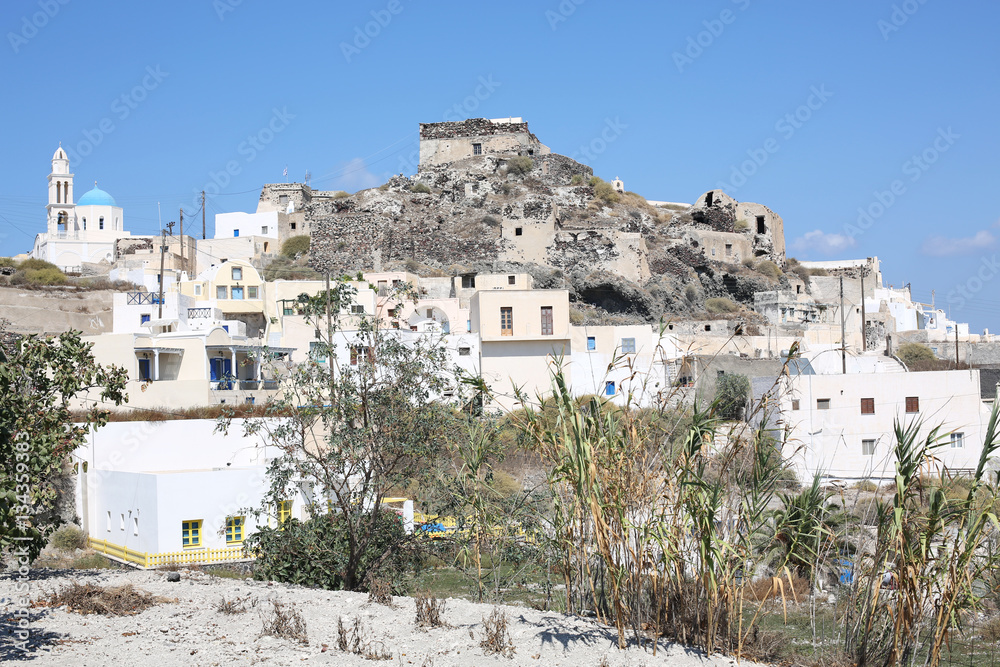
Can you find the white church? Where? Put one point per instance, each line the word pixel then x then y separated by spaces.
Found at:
pixel 80 233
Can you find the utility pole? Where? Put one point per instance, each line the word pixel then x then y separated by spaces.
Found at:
pixel 183 265
pixel 956 345
pixel 202 215
pixel 864 331
pixel 163 248
pixel 843 330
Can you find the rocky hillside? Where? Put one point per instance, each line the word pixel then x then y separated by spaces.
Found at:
pixel 622 258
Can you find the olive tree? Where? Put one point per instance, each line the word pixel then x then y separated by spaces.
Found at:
pixel 38 378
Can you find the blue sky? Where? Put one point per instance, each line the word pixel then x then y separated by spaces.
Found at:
pixel 820 111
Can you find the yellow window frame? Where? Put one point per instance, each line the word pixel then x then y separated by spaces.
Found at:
pixel 234 529
pixel 285 511
pixel 191 533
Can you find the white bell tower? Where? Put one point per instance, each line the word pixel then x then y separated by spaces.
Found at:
pixel 61 213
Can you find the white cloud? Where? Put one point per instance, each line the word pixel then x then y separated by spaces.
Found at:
pixel 823 243
pixel 354 175
pixel 942 246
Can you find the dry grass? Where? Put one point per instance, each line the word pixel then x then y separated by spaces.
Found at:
pixel 353 639
pixel 430 611
pixel 91 598
pixel 779 588
pixel 380 592
pixel 235 410
pixel 496 637
pixel 237 605
pixel 285 622
pixel 991 630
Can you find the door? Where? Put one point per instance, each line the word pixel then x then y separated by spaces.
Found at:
pixel 221 371
pixel 144 373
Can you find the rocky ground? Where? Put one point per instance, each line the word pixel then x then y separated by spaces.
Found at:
pixel 187 627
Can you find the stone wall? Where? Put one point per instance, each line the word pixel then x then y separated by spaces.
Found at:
pixel 444 143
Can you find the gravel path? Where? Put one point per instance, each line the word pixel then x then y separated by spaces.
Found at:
pixel 190 630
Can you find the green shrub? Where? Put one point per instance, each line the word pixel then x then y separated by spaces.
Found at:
pixel 314 553
pixel 92 562
pixel 576 180
pixel 866 486
pixel 7 262
pixel 691 293
pixel 340 194
pixel 594 180
pixel 817 272
pixel 69 537
pixel 769 269
pixel 720 305
pixel 296 245
pixel 32 263
pixel 749 263
pixel 606 193
pixel 520 165
pixel 732 392
pixel 912 353
pixel 51 276
pixel 741 225
pixel 420 188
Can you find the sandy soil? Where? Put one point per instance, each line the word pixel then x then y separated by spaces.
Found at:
pixel 190 630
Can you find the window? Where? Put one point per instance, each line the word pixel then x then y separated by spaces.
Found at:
pixel 263 229
pixel 292 225
pixel 912 404
pixel 251 292
pixel 518 231
pixel 506 321
pixel 795 404
pixel 719 373
pixel 197 290
pixel 709 198
pixel 283 199
pixel 317 352
pixel 84 223
pixel 357 309
pixel 220 292
pixel 109 521
pixel 234 530
pixel 822 403
pixel 957 440
pixel 359 351
pixel 547 328
pixel 143 319
pixel 122 525
pixel 511 280
pixel 761 227
pixel 464 351
pixel 591 343
pixel 477 149
pixel 867 406
pixel 868 447
pixel 468 282
pixel 135 525
pixel 237 273
pixel 237 293
pixel 250 400
pixel 101 223
pixel 383 288
pixel 609 388
pixel 191 533
pixel 708 327
pixel 236 233
pixel 285 510
pixel 628 346
pixel 729 250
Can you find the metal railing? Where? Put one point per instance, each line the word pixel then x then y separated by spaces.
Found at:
pixel 188 556
pixel 195 313
pixel 142 298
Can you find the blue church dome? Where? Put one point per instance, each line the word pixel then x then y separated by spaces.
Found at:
pixel 96 197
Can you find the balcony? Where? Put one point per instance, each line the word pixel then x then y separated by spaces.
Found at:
pixel 199 313
pixel 141 299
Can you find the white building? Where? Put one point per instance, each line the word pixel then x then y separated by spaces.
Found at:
pixel 173 491
pixel 77 233
pixel 841 426
pixel 235 225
